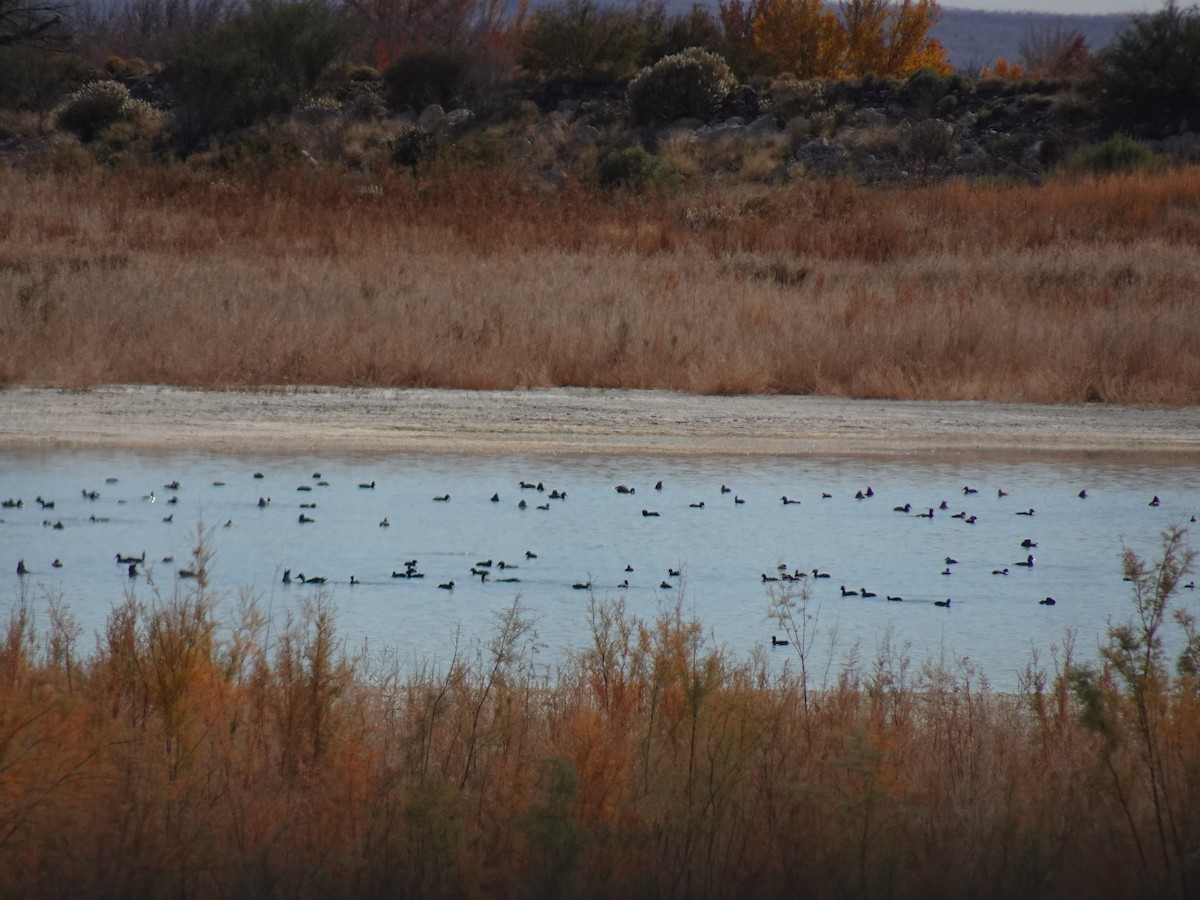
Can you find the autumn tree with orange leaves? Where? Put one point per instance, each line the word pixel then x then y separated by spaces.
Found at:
pixel 809 39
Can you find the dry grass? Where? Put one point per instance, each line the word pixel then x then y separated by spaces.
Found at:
pixel 1077 291
pixel 183 758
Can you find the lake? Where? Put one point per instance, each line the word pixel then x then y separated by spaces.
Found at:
pixel 596 534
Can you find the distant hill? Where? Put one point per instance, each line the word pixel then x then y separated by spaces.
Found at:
pixel 974 38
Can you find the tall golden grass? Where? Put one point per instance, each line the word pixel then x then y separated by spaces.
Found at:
pixel 187 757
pixel 1080 290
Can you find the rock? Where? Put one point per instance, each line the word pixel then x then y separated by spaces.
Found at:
pixel 588 135
pixel 822 156
pixel 763 126
pixel 554 178
pixel 742 102
pixel 432 116
pixel 869 117
pixel 459 118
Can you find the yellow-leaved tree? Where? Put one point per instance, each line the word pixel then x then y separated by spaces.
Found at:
pixel 803 36
pixel 863 37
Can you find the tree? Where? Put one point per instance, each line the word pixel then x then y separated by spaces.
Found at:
pixel 1148 78
pixel 1054 51
pixel 32 21
pixel 581 39
pixel 803 36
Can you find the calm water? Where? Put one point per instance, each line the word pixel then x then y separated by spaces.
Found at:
pixel 722 549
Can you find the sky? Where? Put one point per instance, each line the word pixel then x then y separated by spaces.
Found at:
pixel 1080 7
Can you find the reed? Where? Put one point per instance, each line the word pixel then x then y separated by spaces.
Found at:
pixel 1081 290
pixel 186 755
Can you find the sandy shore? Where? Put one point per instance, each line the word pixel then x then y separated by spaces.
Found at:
pixel 570 421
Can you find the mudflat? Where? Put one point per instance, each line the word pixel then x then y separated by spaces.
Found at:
pixel 570 420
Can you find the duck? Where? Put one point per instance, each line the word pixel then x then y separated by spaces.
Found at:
pixel 304 520
pixel 91 495
pixel 658 486
pixel 45 504
pixel 673 573
pixel 700 505
pixel 540 486
pixel 1190 586
pixel 125 560
pixel 1049 601
pixel 22 569
pixel 558 495
pixel 625 489
pixel 169 519
pixel 496 497
pixel 907 507
pixel 870 493
pixel 133 570
pixel 544 506
pixel 446 586
pixel 256 475
pixel 1155 501
pixel 367 485
pixel 529 554
pixel 865 594
pixel 726 490
pixel 819 574
pixel 926 515
pixel 960 515
pixel 218 484
pixel 1024 512
pixel 647 513
pixel 945 603
pixel 1003 571
pixel 943 505
pixel 316 476
pixel 481 573
pixel 308 506
pixel 316 579
pixel 264 502
pixel 666 586
pixel 484 563
pixel 384 523
pixel 1027 562
pixel 511 579
pixel 172 485
pixel 787 502
pixel 738 500
pixel 57 564
pixel 766 578
pixel 846 593
pixel 825 495
pixel 859 495
pixel 967 489
pixel 1000 492
pixel 970 520
pixel 187 573
pixel 629 568
pixel 951 561
pixel 522 505
pixel 1082 495
pixel 582 585
pixel 1028 542
pixel 776 642
pixel 624 584
pixel 946 571
pixel 304 487
pixel 503 565
pixel 892 599
pixel 354 581
pixel 525 485
pixel 444 498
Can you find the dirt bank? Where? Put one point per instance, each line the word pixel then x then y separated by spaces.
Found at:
pixel 569 421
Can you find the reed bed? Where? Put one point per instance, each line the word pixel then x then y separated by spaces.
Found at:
pixel 1077 291
pixel 185 756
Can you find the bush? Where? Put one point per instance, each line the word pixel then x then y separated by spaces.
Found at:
pixel 1148 79
pixel 422 76
pixel 1120 153
pixel 630 167
pixel 413 145
pixel 690 84
pixel 98 105
pixel 35 79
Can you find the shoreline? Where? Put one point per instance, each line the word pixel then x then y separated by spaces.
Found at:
pixel 573 421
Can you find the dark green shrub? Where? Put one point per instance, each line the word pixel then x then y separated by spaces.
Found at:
pixel 421 76
pixel 1147 80
pixel 629 167
pixel 35 79
pixel 413 146
pixel 690 84
pixel 293 43
pixel 581 40
pixel 1120 153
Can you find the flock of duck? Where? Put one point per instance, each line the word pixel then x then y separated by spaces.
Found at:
pixel 651 502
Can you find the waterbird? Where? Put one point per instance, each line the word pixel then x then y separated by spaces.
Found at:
pixel 172 485
pixel 819 574
pixel 926 515
pixel 859 496
pixel 1049 601
pixel 57 564
pixel 57 526
pixel 308 506
pixel 316 476
pixel 264 502
pixel 133 572
pixel 444 498
pixel 111 480
pixel 664 585
pixel 826 496
pixel 259 475
pixel 45 504
pixel 945 603
pixel 1155 501
pixel 776 642
pixel 384 523
pixel 1028 542
pixel 648 513
pixel 946 571
pixel 625 489
pixel 1083 494
pixel 446 586
pixel 629 568
pixel 1025 512
pixel 970 520
pixel 1000 492
pixel 510 580
pixel 726 490
pixel 125 560
pixel 172 501
pixel 367 486
pixel 658 486
pixel 967 489
pixel 1003 571
pixel 218 484
pixel 169 519
pixel 960 515
pixel 496 497
pixel 892 599
pixel 907 507
pixel 787 502
pixel 543 506
pixel 846 593
pixel 1027 562
pixel 951 561
pixel 870 493
pixel 521 505
pixel 738 500
pixel 582 585
pixel 21 567
pixel 624 584
pixel 864 593
pixel 318 579
pixel 503 565
pixel 304 520
pixel 943 505
pixel 91 495
pixel 766 577
pixel 485 563
pixel 187 573
pixel 673 573
pixel 700 504
pixel 540 486
pixel 1191 586
pixel 529 554
pixel 354 581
